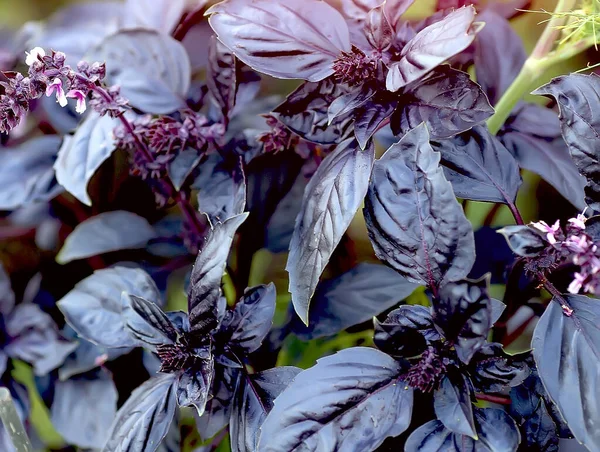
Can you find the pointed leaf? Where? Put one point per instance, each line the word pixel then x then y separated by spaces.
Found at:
pixel 325 409
pixel 205 280
pixel 147 322
pixel 194 384
pixel 295 39
pixel 452 405
pixel 218 408
pixel 370 116
pixel 493 370
pixel 331 199
pixel 144 420
pixel 378 29
pixel 104 233
pixel 524 240
pixel 222 76
pixel 566 349
pixel 414 221
pixel 431 47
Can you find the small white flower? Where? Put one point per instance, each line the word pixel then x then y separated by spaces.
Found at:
pixel 80 96
pixel 32 57
pixel 56 87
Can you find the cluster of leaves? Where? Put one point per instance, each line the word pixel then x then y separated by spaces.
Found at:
pixel 187 167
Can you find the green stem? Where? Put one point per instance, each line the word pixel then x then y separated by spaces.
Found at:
pixel 12 423
pixel 534 66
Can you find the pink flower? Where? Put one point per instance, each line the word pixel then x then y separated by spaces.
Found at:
pixel 80 96
pixel 32 57
pixel 56 87
pixel 550 231
pixel 578 244
pixel 577 283
pixel 578 222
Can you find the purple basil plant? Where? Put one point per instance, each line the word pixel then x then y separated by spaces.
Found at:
pixel 180 188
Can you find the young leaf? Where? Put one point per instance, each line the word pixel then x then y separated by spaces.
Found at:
pixel 352 298
pixel 414 221
pixel 253 401
pixel 93 307
pixel 297 39
pixel 106 232
pixel 152 69
pixel 493 370
pixel 366 403
pixel 463 313
pixel 144 420
pixel 205 280
pixel 218 408
pixel 580 124
pixel 305 112
pixel 331 199
pixel 222 76
pixel 431 47
pixel 378 29
pixel 80 155
pixel 26 173
pixel 448 101
pixel 194 384
pixel 359 9
pixel 370 116
pixel 452 405
pixel 566 348
pixel 147 322
pixel 184 164
pixel 525 241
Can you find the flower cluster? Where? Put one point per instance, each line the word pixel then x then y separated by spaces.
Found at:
pixel 427 373
pixel 278 139
pixel 573 242
pixel 355 67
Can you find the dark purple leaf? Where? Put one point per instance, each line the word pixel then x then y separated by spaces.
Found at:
pixel 463 313
pixel 493 370
pixel 499 55
pixel 370 116
pixel 305 112
pixel 406 331
pixel 539 430
pixel 378 29
pixel 359 9
pixel 182 166
pixel 349 102
pixel 248 323
pixel 524 241
pixel 576 95
pixel 93 307
pixel 414 221
pixel 83 409
pixel 253 400
pixel 86 356
pixel 222 76
pixel 205 280
pixel 431 47
pixel 496 432
pixel 448 101
pixel 81 154
pixel 26 173
pixel 104 233
pixel 330 202
pixel 298 39
pixel 147 322
pixel 566 349
pixel 452 404
pixel 361 415
pixel 194 384
pixel 218 408
pixel 352 298
pixel 144 420
pixel 152 69
pixel 479 167
pixel 497 308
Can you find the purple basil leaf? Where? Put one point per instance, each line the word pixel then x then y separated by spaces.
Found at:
pixel 496 431
pixel 539 430
pixel 358 10
pixel 218 408
pixel 254 398
pixel 499 55
pixel 26 173
pixel 222 75
pixel 580 124
pixel 144 420
pixel 104 233
pixel 479 167
pixel 7 296
pixel 431 47
pixel 463 313
pixel 370 116
pixel 83 409
pixel 330 202
pixel 348 102
pixel 448 101
pixel 147 322
pixel 298 39
pixel 452 404
pixel 161 15
pixel 81 154
pixel 221 189
pixel 249 322
pixel 152 69
pixel 378 29
pixel 305 112
pixel 497 308
pixel 314 414
pixel 194 384
pixel 205 280
pixel 86 356
pixel 406 331
pixel 93 307
pixel 352 298
pixel 523 240
pixel 493 370
pixel 182 166
pixel 414 221
pixel 34 338
pixel 566 349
